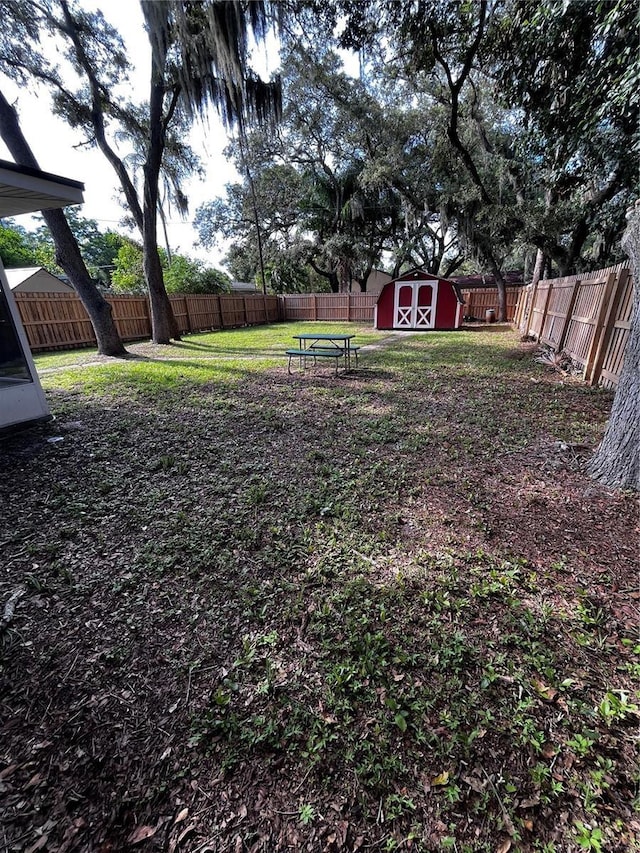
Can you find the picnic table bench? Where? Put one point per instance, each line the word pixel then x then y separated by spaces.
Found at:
pixel 323 345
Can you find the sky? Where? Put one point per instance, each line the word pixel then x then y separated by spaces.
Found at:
pixel 59 149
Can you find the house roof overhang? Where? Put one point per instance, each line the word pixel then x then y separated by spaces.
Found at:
pixel 26 190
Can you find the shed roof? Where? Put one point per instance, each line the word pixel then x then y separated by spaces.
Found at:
pixel 421 272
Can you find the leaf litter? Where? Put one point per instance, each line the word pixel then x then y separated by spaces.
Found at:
pixel 299 613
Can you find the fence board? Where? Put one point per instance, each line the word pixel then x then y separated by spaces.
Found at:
pixel 586 316
pixel 59 320
pixel 330 307
pixel 131 315
pixel 204 312
pixel 479 300
pixel 359 307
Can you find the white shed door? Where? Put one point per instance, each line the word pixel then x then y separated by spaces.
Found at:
pixel 415 304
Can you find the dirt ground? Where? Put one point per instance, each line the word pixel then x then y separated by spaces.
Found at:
pixel 385 612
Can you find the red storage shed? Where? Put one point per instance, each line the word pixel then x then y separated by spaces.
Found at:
pixel 418 300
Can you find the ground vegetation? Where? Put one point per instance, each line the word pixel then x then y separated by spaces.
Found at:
pixel 253 611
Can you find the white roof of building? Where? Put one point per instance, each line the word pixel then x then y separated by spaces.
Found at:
pixel 17 275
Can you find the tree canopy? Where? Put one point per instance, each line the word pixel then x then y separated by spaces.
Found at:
pixel 474 134
pixel 471 136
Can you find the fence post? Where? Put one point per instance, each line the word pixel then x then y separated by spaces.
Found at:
pixel 567 319
pixel 315 307
pixel 608 314
pixel 221 312
pixel 186 312
pixel 349 307
pixel 521 307
pixel 545 310
pixel 530 306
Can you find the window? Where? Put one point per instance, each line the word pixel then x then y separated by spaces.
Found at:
pixel 13 365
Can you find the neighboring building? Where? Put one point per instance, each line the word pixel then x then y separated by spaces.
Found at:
pixel 24 190
pixel 420 301
pixel 35 280
pixel 376 281
pixel 242 287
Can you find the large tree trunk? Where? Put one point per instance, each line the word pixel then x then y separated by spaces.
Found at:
pixel 67 251
pixel 501 287
pixel 343 272
pixel 330 275
pixel 538 270
pixel 163 323
pixel 616 462
pixel 99 310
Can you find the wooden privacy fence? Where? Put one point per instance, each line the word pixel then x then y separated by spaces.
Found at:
pixel 59 320
pixel 359 307
pixel 479 300
pixel 587 317
pixel 349 307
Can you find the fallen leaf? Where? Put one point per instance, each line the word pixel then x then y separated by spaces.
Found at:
pixel 549 694
pixel 141 833
pixel 442 779
pixel 34 781
pixel 183 815
pixel 528 824
pixel 504 846
pixel 186 832
pixel 8 771
pixel 508 824
pixel 39 845
pixel 474 783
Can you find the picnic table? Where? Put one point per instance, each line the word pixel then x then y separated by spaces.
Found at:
pixel 329 345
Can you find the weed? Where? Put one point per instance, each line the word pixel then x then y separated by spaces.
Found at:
pixel 581 743
pixel 397 805
pixel 306 814
pixel 589 838
pixel 615 705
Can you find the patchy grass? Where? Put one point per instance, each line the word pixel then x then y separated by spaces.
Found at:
pixel 383 611
pixel 253 342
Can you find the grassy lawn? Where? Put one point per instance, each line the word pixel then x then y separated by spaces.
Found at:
pixel 260 612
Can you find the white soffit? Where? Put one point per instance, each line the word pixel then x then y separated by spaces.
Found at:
pixel 25 190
